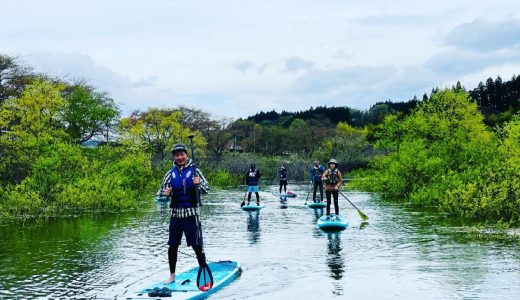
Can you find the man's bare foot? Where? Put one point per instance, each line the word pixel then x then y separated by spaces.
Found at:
pixel 170 279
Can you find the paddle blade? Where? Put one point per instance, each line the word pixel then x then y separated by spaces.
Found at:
pixel 242 204
pixel 204 279
pixel 362 215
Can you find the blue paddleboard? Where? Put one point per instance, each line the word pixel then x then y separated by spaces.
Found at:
pixel 185 284
pixel 316 204
pixel 286 195
pixel 332 223
pixel 161 199
pixel 253 206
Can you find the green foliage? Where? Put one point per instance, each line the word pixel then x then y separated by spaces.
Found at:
pixel 88 113
pixel 155 132
pixel 36 112
pixel 223 178
pixel 443 155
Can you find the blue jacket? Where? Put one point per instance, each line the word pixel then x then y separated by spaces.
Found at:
pixel 316 173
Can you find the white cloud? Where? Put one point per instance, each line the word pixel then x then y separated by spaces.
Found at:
pixel 483 36
pixel 235 58
pixel 294 64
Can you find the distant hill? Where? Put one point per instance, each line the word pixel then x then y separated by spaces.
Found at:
pixel 493 98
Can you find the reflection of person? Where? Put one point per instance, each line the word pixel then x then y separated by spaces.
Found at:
pixel 333 180
pixel 316 172
pixel 181 182
pixel 252 180
pixel 282 175
pixel 335 260
pixel 253 226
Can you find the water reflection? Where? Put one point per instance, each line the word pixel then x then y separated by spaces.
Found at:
pixel 318 212
pixel 253 226
pixel 283 202
pixel 334 258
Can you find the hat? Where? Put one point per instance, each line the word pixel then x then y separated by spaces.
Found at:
pixel 316 161
pixel 332 161
pixel 179 147
pixel 253 166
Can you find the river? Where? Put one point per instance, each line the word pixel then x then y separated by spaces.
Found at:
pixel 400 253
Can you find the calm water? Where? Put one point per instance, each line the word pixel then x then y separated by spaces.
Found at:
pixel 399 254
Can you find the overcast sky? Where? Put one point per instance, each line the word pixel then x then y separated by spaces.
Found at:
pixel 235 58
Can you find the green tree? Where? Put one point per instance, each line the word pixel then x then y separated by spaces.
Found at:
pixel 37 112
pixel 155 131
pixel 88 113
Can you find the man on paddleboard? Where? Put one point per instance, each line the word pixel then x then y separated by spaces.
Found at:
pixel 282 175
pixel 252 180
pixel 181 182
pixel 316 172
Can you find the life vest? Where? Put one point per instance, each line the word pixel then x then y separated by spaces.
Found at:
pixel 183 188
pixel 252 177
pixel 316 173
pixel 332 177
pixel 283 174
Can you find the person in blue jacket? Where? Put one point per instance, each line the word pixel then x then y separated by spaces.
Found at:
pixel 316 172
pixel 252 180
pixel 282 175
pixel 180 183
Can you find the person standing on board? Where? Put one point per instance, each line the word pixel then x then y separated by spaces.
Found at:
pixel 282 175
pixel 333 181
pixel 316 172
pixel 181 182
pixel 252 180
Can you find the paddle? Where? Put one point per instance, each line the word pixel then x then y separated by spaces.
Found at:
pixel 204 278
pixel 205 282
pixel 244 201
pixel 361 214
pixel 308 193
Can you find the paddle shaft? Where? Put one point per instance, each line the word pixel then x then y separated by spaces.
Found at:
pixel 361 214
pixel 197 194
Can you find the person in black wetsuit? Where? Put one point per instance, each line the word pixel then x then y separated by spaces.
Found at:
pixel 316 172
pixel 282 175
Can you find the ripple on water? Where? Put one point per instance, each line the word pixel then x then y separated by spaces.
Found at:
pixel 398 254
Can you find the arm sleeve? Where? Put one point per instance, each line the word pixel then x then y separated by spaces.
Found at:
pixel 204 185
pixel 165 183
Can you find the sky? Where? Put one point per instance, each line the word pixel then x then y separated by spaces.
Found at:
pixel 236 58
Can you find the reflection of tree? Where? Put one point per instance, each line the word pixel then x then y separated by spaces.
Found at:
pixel 253 226
pixel 334 258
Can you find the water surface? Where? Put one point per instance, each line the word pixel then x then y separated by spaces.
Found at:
pixel 399 254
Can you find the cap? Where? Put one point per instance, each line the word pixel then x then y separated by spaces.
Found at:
pixel 179 147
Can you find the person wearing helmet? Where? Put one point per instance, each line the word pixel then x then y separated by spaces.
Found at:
pixel 333 181
pixel 316 172
pixel 252 180
pixel 282 175
pixel 180 183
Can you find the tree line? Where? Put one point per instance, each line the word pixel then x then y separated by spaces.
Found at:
pixel 446 150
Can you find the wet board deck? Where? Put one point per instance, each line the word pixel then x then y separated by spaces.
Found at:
pixel 286 195
pixel 333 223
pixel 253 206
pixel 316 204
pixel 185 284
